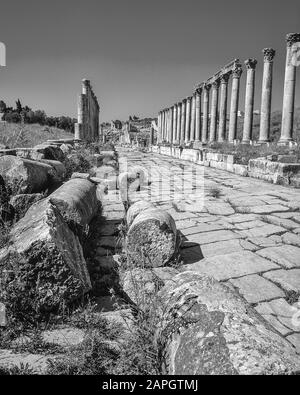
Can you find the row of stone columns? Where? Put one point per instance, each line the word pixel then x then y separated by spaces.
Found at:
pixel 191 121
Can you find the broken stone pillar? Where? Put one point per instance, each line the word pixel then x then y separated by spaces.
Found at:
pixel 205 328
pixel 266 98
pixel 151 238
pixel 223 107
pixel 198 114
pixel 249 100
pixel 183 115
pixel 76 201
pixel 188 119
pixel 234 105
pixel 193 117
pixel 206 89
pixel 174 131
pixel 27 175
pixel 214 111
pixel 178 129
pixel 136 208
pixel 293 42
pixel 50 257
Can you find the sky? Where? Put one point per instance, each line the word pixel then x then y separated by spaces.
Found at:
pixel 141 56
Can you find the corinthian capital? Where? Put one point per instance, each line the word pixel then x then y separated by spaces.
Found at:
pixel 206 87
pixel 216 84
pixel 292 38
pixel 250 63
pixel 224 78
pixel 237 70
pixel 269 54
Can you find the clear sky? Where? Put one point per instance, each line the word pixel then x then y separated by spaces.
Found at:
pixel 140 55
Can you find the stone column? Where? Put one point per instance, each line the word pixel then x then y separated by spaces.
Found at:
pixel 168 125
pixel 193 117
pixel 159 127
pixel 266 96
pixel 183 114
pixel 188 119
pixel 198 115
pixel 206 89
pixel 249 100
pixel 174 124
pixel 293 40
pixel 178 122
pixel 214 111
pixel 223 107
pixel 171 125
pixel 164 125
pixel 234 104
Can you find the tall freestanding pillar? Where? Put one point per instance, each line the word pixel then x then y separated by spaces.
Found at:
pixel 223 107
pixel 188 119
pixel 178 123
pixel 293 41
pixel 193 117
pixel 234 104
pixel 266 97
pixel 206 89
pixel 214 111
pixel 183 114
pixel 249 100
pixel 198 114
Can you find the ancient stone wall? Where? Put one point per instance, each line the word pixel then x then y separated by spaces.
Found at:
pixel 87 127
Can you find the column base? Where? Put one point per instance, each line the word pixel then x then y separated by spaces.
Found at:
pixel 289 142
pixel 248 142
pixel 260 142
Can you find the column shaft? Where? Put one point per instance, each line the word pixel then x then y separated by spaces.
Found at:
pixel 234 104
pixel 183 114
pixel 223 107
pixel 178 122
pixel 266 96
pixel 171 125
pixel 174 124
pixel 214 111
pixel 193 117
pixel 188 120
pixel 249 100
pixel 205 113
pixel 293 40
pixel 198 115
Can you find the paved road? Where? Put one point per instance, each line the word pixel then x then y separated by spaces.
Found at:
pixel 242 231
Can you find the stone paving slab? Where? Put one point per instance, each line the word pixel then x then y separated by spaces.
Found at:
pixel 283 311
pixel 211 237
pixel 263 231
pixel 288 279
pixel 286 256
pixel 256 289
pixel 225 267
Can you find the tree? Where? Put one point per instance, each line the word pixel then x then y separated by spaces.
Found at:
pixel 18 106
pixel 2 106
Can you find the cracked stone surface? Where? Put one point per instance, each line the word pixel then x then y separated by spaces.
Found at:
pixel 249 236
